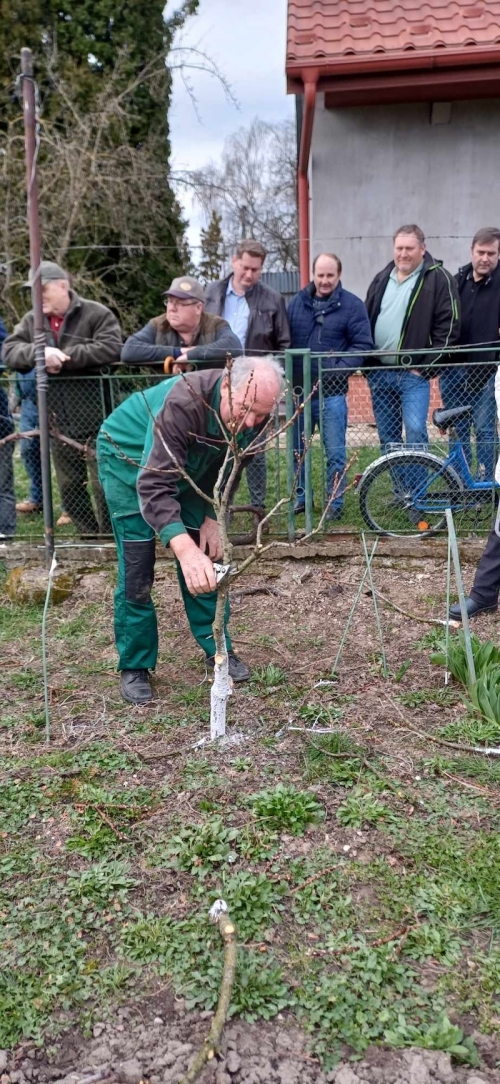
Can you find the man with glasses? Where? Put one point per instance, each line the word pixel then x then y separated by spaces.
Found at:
pixel 184 337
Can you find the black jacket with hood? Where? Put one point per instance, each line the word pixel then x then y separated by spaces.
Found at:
pixel 432 318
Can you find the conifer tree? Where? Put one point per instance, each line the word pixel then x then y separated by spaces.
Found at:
pixel 86 54
pixel 212 248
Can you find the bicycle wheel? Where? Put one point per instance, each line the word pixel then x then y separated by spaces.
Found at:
pixel 407 493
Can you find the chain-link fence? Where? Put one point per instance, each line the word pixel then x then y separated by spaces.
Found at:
pixel 351 417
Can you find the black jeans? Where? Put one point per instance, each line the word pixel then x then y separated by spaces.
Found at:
pixel 7 498
pixel 487 579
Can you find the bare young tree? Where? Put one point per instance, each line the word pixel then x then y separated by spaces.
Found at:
pixel 253 189
pixel 227 478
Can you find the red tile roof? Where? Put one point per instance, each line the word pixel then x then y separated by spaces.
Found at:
pixel 323 30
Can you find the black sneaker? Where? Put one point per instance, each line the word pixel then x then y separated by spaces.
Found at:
pixel 238 670
pixel 135 686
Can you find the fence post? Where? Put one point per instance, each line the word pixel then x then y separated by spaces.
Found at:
pixel 290 456
pixel 307 442
pixel 29 113
pixel 321 405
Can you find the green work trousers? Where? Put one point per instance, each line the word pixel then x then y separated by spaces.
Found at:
pixel 136 628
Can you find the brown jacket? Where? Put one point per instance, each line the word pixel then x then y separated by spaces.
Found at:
pixel 154 342
pixel 90 334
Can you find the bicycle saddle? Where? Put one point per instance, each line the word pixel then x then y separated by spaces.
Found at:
pixel 444 418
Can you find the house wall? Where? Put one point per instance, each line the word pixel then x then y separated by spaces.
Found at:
pixel 374 168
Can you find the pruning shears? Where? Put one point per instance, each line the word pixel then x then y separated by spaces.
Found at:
pixel 222 572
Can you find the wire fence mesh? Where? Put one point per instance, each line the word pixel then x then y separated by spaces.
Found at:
pixel 352 416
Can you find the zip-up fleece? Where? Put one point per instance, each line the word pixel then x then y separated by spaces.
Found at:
pixel 130 440
pixel 432 318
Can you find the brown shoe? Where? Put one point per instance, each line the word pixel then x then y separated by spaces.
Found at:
pixel 63 520
pixel 25 507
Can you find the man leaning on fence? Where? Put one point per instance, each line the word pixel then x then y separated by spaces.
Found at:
pixel 82 338
pixel 471 381
pixel 413 305
pixel 327 319
pixel 184 336
pixel 257 315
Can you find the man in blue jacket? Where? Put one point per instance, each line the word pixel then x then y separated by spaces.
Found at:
pixel 327 320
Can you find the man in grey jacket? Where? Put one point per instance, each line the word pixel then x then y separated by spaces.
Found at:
pixel 258 316
pixel 184 336
pixel 82 337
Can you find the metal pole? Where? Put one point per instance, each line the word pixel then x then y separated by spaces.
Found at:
pixel 353 607
pixel 307 449
pixel 290 455
pixel 368 560
pixel 30 144
pixel 461 595
pixel 447 673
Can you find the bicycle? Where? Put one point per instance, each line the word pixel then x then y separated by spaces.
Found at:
pixel 407 491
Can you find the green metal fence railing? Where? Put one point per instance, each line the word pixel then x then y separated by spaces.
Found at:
pixel 345 412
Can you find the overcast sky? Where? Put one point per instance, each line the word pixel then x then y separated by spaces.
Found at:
pixel 246 40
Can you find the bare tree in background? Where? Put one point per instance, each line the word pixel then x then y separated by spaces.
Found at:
pixel 107 211
pixel 254 190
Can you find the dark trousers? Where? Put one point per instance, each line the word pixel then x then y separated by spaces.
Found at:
pixel 77 408
pixel 30 449
pixel 257 479
pixel 75 476
pixel 7 498
pixel 487 579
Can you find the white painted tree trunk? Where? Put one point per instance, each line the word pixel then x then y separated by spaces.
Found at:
pixel 221 691
pixel 222 685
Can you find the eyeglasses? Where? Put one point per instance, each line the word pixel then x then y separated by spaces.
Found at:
pixel 179 302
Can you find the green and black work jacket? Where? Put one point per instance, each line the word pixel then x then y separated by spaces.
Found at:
pixel 170 424
pixel 432 318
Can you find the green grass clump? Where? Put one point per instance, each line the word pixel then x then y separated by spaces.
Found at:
pixel 286 809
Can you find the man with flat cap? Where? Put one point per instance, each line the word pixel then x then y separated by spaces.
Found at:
pixel 82 337
pixel 184 336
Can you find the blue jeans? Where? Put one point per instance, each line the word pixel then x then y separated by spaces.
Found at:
pixel 400 398
pixel 457 389
pixel 30 449
pixel 7 498
pixel 333 434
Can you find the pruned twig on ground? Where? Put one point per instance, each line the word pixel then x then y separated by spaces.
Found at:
pixel 485 751
pixel 219 915
pixel 412 617
pixel 344 950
